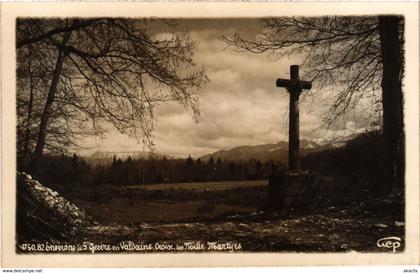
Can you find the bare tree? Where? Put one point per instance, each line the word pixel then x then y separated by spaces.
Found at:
pixel 354 56
pixel 107 70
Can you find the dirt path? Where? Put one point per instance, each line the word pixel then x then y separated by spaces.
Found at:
pixel 336 231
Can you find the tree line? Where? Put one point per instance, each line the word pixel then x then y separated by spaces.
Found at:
pixel 75 170
pixel 361 158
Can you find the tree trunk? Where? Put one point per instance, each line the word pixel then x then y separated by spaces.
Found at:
pixel 42 133
pixel 25 156
pixel 392 99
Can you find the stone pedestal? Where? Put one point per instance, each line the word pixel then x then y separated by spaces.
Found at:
pixel 276 191
pixel 304 189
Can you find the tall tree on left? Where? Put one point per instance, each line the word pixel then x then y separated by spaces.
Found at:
pixel 75 75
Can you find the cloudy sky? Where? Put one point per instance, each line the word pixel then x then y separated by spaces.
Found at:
pixel 240 105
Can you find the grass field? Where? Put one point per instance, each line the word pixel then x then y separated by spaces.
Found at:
pixel 172 202
pixel 203 186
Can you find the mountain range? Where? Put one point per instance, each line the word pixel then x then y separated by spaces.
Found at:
pixel 263 152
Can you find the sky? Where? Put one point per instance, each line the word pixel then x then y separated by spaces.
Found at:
pixel 240 105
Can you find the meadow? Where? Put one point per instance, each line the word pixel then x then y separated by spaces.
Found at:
pixel 172 202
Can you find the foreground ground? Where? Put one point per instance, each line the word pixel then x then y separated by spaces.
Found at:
pixel 331 230
pixel 222 217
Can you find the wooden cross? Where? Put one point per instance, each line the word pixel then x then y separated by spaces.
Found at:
pixel 294 86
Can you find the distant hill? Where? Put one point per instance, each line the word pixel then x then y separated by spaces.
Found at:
pixel 263 152
pixel 279 150
pixel 120 154
pixel 106 157
pixel 266 152
pixel 362 154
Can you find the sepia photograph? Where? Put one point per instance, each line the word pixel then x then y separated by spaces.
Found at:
pixel 260 134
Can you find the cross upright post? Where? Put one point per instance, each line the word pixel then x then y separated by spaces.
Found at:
pixel 294 86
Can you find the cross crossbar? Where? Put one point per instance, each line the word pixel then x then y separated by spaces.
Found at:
pixel 287 83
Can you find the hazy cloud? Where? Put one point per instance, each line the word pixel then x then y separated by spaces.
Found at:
pixel 239 106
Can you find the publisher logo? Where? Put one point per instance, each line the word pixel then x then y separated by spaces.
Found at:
pixel 389 242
